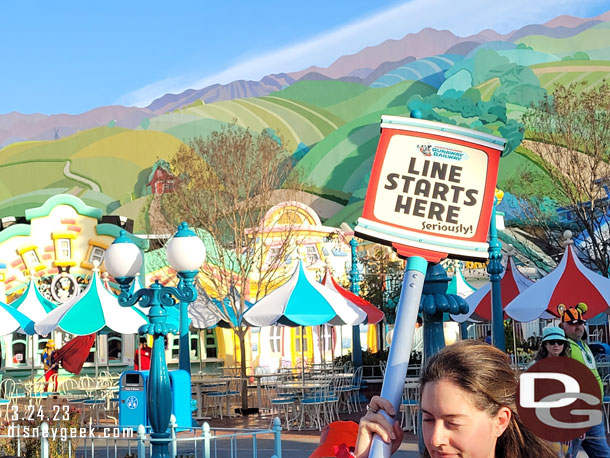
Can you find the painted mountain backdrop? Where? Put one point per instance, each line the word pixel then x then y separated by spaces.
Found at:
pixel 112 156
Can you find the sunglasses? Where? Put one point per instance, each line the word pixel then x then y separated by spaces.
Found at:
pixel 555 342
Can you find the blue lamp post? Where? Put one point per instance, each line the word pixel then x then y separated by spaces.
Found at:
pixel 185 253
pixel 435 303
pixel 354 277
pixel 495 269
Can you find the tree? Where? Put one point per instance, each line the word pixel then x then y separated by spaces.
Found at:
pixel 382 280
pixel 569 137
pixel 228 181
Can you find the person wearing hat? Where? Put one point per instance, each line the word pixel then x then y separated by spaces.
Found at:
pixel 573 324
pixel 50 368
pixel 554 343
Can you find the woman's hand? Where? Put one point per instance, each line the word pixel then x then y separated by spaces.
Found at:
pixel 375 423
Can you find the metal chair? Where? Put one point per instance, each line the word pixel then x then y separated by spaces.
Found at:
pixel 410 406
pixel 281 404
pixel 606 400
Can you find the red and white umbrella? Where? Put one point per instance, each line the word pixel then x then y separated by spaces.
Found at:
pixel 512 284
pixel 569 284
pixel 373 314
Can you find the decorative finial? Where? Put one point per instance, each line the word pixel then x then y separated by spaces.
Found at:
pixel 567 238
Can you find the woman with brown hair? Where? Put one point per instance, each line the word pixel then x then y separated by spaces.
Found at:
pixel 468 409
pixel 554 343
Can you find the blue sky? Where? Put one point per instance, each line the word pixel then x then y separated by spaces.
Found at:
pixel 72 56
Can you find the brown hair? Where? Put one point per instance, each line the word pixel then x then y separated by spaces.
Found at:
pixel 543 352
pixel 484 372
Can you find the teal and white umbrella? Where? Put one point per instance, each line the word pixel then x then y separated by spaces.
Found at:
pixel 35 307
pixel 302 301
pixel 459 286
pixel 12 320
pixel 32 303
pixel 96 309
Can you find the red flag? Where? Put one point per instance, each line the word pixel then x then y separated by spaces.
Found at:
pixel 73 354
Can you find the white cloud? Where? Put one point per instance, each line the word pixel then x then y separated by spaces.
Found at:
pixel 465 17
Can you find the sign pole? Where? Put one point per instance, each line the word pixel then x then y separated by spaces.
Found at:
pixel 430 196
pixel 402 341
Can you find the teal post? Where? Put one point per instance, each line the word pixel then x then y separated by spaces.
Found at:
pixel 277 437
pixel 158 394
pixel 184 356
pixel 354 277
pixel 495 269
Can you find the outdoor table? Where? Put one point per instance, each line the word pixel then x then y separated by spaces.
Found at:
pixel 258 378
pixel 205 385
pixel 334 375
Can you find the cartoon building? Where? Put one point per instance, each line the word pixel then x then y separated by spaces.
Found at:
pixel 49 258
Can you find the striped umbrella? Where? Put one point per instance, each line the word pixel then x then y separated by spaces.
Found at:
pixel 373 314
pixel 459 286
pixel 569 283
pixel 512 284
pixel 302 301
pixel 94 310
pixel 12 320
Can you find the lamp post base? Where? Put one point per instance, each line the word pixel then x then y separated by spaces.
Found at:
pixel 160 447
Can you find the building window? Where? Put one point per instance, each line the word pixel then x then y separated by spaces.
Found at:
pixel 194 340
pixel 174 347
pixel 63 248
pixel 312 254
pixel 211 344
pixel 31 258
pixel 297 340
pixel 97 254
pixel 326 336
pixel 91 356
pixel 115 347
pixel 19 350
pixel 275 339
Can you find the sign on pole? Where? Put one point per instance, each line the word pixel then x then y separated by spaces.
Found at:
pixel 430 196
pixel 431 189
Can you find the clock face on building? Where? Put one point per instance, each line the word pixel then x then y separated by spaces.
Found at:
pixel 64 287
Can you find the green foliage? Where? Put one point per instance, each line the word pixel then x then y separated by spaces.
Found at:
pixel 578 55
pixel 519 85
pixel 382 280
pixel 524 46
pixel 112 123
pixel 487 116
pixel 145 123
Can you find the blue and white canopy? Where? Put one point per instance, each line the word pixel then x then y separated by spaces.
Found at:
pixel 302 301
pixel 94 310
pixel 32 303
pixel 459 286
pixel 12 320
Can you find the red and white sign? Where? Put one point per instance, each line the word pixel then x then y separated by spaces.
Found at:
pixel 431 189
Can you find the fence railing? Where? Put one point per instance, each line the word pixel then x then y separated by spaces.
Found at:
pixel 120 442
